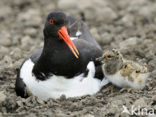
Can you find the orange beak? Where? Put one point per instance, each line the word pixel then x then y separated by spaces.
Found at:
pixel 63 34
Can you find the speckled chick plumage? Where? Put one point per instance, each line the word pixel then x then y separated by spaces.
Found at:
pixel 121 72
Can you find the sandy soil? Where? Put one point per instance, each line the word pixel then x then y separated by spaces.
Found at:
pixel 128 25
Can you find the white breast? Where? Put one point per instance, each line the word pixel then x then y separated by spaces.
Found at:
pixel 124 82
pixel 118 80
pixel 56 86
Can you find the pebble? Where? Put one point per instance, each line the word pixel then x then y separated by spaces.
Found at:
pixel 16 53
pixel 95 34
pixel 140 102
pixel 67 4
pixel 15 39
pixel 128 42
pixel 154 73
pixel 2 96
pixel 3 51
pixel 49 7
pixel 31 32
pixel 147 11
pixel 7 59
pixel 1 114
pixel 128 20
pixel 89 14
pixel 26 41
pixel 154 97
pixel 117 102
pixel 19 103
pixel 84 4
pixel 152 64
pixel 40 101
pixel 27 18
pixel 94 10
pixel 106 15
pixel 5 38
pixel 7 10
pixel 88 115
pixel 106 38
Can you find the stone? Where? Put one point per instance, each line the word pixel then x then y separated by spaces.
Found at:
pixel 40 101
pixel 84 4
pixel 3 50
pixel 106 38
pixel 2 96
pixel 1 114
pixel 16 53
pixel 154 73
pixel 88 115
pixel 95 34
pixel 106 15
pixel 31 17
pixel 118 102
pixel 67 4
pixel 30 31
pixel 7 10
pixel 154 97
pixel 5 38
pixel 140 102
pixel 128 42
pixel 128 20
pixel 26 41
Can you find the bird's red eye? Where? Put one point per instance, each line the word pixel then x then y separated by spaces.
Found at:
pixel 51 21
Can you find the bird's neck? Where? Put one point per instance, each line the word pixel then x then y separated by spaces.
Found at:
pixel 56 58
pixel 48 59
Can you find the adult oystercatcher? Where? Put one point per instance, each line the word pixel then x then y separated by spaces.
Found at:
pixel 64 65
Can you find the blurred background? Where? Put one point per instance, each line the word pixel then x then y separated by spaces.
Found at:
pixel 128 25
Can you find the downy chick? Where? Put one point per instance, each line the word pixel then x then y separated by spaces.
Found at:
pixel 121 72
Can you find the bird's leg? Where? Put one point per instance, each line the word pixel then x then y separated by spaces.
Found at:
pixel 110 88
pixel 28 91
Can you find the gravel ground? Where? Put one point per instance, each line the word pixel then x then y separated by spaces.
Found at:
pixel 128 25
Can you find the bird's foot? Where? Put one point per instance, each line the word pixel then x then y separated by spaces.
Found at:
pixel 28 91
pixel 110 89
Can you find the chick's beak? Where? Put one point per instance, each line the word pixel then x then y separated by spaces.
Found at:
pixel 63 34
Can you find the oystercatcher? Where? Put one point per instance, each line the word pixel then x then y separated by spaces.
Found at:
pixel 65 65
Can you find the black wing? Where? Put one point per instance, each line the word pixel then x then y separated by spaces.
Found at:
pixel 78 25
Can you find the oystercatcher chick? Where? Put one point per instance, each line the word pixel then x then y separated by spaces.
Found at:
pixel 121 72
pixel 60 67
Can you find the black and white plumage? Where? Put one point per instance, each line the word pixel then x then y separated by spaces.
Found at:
pixel 62 66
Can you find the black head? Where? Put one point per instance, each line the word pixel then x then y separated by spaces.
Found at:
pixel 54 22
pixel 56 30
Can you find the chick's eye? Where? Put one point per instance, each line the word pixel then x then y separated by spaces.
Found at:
pixel 51 21
pixel 125 66
pixel 137 71
pixel 109 56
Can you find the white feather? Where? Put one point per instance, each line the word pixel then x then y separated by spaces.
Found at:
pixel 124 82
pixel 56 86
pixel 73 38
pixel 78 33
pixel 118 80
